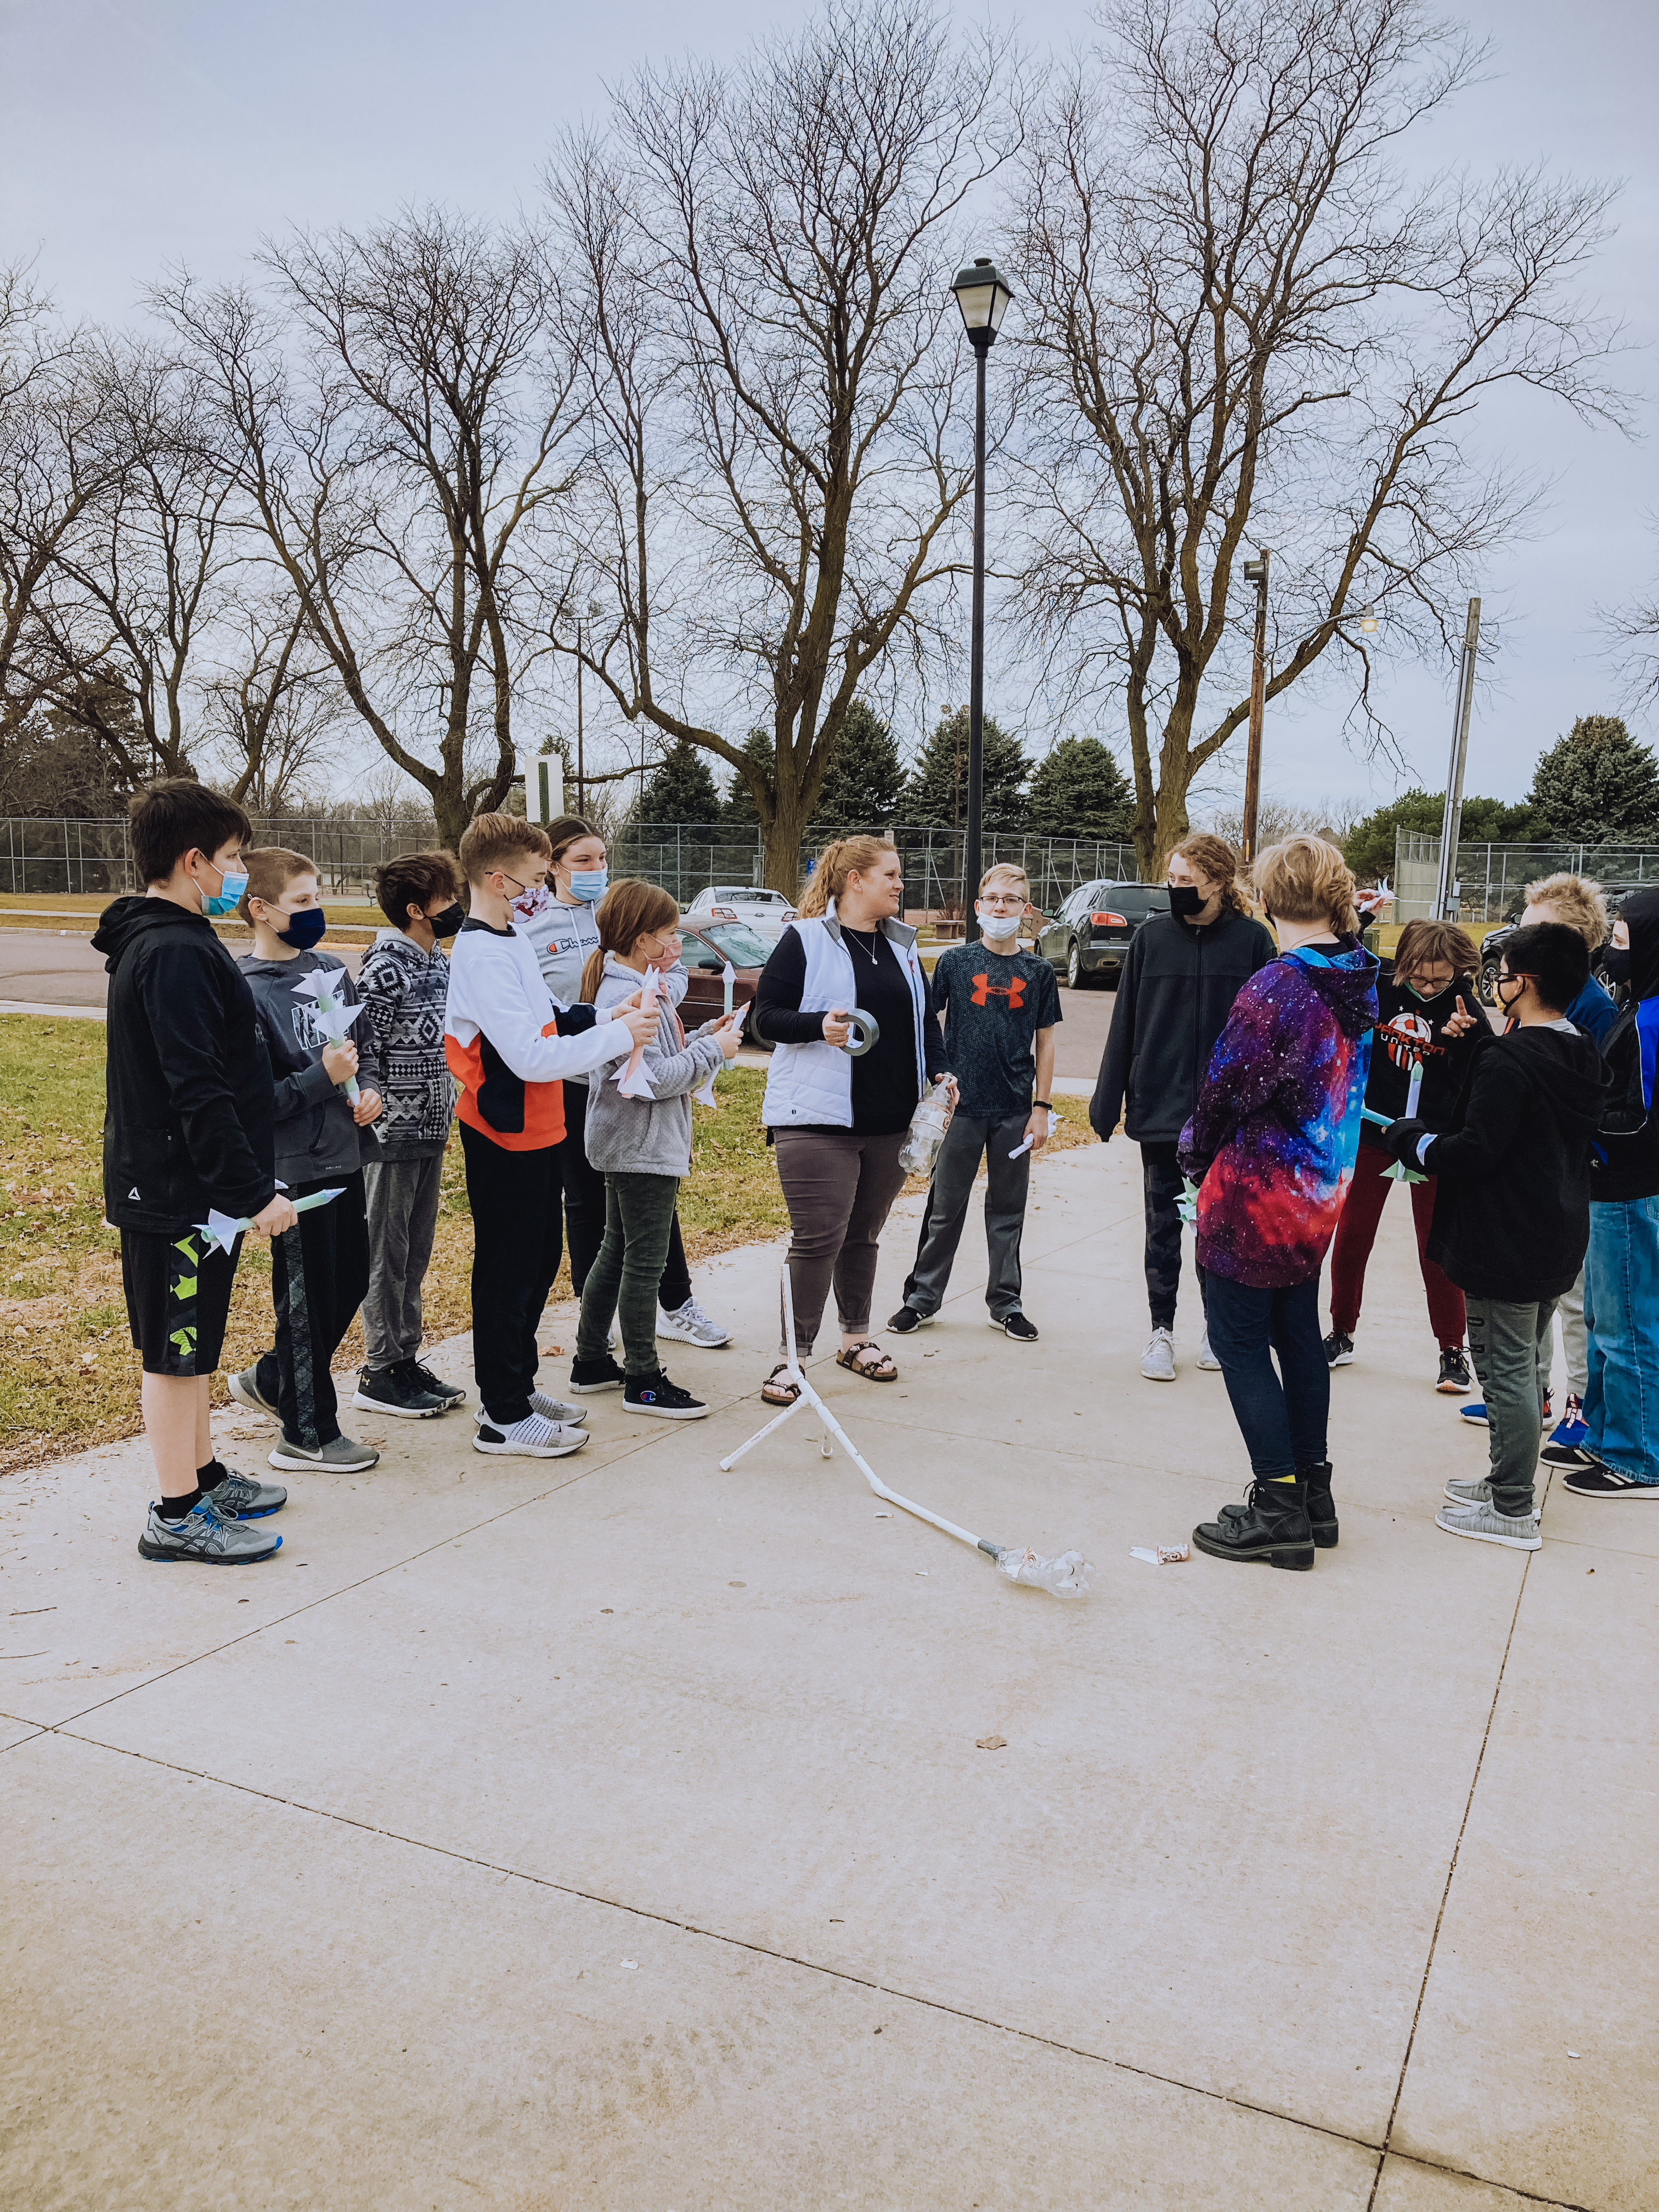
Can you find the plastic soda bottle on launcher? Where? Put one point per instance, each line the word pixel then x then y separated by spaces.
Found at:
pixel 927 1132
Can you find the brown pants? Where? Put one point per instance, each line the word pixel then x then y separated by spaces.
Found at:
pixel 839 1188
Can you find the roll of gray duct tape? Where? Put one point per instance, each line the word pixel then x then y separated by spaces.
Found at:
pixel 866 1032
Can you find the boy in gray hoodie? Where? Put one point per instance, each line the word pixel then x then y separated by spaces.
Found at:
pixel 320 1269
pixel 639 1136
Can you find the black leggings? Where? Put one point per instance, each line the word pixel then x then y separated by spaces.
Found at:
pixel 584 1208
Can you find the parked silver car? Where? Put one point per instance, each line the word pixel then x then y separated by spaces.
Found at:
pixel 767 913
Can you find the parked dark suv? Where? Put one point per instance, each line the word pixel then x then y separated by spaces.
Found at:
pixel 1088 939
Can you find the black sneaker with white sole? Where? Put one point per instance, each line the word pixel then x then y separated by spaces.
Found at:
pixel 1338 1350
pixel 601 1373
pixel 655 1394
pixel 434 1385
pixel 1454 1379
pixel 1016 1326
pixel 393 1391
pixel 907 1321
pixel 1597 1481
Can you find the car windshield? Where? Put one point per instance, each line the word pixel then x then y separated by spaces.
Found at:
pixel 741 947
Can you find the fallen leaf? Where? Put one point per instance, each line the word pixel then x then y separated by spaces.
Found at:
pixel 990 1743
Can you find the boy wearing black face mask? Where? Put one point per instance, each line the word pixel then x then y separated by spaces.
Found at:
pixel 319 1269
pixel 404 983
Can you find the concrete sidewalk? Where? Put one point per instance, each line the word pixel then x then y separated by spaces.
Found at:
pixel 612 1832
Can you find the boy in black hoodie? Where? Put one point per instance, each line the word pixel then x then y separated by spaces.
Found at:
pixel 1511 1214
pixel 187 1130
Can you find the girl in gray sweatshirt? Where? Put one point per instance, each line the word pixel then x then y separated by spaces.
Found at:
pixel 642 1145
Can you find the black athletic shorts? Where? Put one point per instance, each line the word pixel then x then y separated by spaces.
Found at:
pixel 178 1298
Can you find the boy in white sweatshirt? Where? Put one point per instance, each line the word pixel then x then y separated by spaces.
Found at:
pixel 503 1043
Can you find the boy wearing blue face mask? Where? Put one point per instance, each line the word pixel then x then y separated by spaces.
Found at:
pixel 187 1129
pixel 320 1268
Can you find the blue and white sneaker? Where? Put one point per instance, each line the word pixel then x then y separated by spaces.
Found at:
pixel 1477 1414
pixel 202 1535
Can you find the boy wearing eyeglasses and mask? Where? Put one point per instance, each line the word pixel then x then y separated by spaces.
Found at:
pixel 404 987
pixel 1511 1212
pixel 320 1269
pixel 999 1006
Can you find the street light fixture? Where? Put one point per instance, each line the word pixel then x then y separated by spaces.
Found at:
pixel 983 294
pixel 1368 622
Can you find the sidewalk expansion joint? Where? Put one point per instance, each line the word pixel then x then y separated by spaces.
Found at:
pixel 1445 1893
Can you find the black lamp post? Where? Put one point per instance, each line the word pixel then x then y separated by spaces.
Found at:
pixel 983 296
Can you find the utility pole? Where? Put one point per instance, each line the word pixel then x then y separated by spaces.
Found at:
pixel 1451 821
pixel 1256 572
pixel 580 794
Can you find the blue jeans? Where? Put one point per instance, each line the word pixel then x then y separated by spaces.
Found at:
pixel 1282 1420
pixel 1621 1314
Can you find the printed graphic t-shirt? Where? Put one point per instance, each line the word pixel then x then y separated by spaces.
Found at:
pixel 992 1005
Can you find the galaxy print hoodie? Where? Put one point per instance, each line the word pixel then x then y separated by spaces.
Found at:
pixel 1272 1138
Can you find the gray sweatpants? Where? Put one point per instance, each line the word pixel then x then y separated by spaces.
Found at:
pixel 403 1218
pixel 1512 1346
pixel 1575 1337
pixel 970 1137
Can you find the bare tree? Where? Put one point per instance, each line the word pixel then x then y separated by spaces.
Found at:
pixel 58 459
pixel 1240 324
pixel 270 710
pixel 776 461
pixel 400 466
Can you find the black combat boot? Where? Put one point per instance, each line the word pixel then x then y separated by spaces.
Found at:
pixel 1322 1510
pixel 1272 1524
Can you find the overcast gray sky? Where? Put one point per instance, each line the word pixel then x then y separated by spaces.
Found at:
pixel 151 132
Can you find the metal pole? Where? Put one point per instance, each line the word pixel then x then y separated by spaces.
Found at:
pixel 1451 820
pixel 579 809
pixel 1256 572
pixel 970 859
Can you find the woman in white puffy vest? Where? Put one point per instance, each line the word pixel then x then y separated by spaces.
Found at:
pixel 837 1122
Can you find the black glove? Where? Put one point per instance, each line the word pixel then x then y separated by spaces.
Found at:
pixel 1403 1138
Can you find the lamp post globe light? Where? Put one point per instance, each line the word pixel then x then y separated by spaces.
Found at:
pixel 983 294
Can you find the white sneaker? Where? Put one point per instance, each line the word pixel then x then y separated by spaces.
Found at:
pixel 1206 1359
pixel 689 1324
pixel 1488 1526
pixel 550 1409
pixel 535 1437
pixel 1157 1361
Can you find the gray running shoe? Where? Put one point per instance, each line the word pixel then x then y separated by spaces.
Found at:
pixel 342 1456
pixel 535 1438
pixel 1469 1494
pixel 1157 1361
pixel 550 1409
pixel 689 1324
pixel 241 1497
pixel 1206 1359
pixel 202 1535
pixel 1488 1526
pixel 244 1389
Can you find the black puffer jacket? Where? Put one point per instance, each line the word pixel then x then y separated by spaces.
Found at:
pixel 188 1111
pixel 1173 999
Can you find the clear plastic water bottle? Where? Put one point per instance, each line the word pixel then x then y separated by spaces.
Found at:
pixel 927 1132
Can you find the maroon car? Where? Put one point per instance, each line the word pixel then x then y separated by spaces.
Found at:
pixel 707 945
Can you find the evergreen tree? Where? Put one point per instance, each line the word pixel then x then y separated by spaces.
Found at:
pixel 1079 790
pixel 739 808
pixel 936 796
pixel 1369 847
pixel 1597 784
pixel 865 779
pixel 682 788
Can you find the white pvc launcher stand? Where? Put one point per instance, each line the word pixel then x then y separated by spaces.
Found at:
pixel 1064 1576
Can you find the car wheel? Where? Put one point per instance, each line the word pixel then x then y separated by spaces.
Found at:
pixel 1486 988
pixel 1076 975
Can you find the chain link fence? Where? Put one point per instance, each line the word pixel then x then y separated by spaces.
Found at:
pixel 45 858
pixel 1492 879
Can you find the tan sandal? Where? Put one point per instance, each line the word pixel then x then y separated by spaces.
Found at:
pixel 872 1373
pixel 774 1392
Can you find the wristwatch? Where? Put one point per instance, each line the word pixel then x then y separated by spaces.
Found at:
pixel 1043 1102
